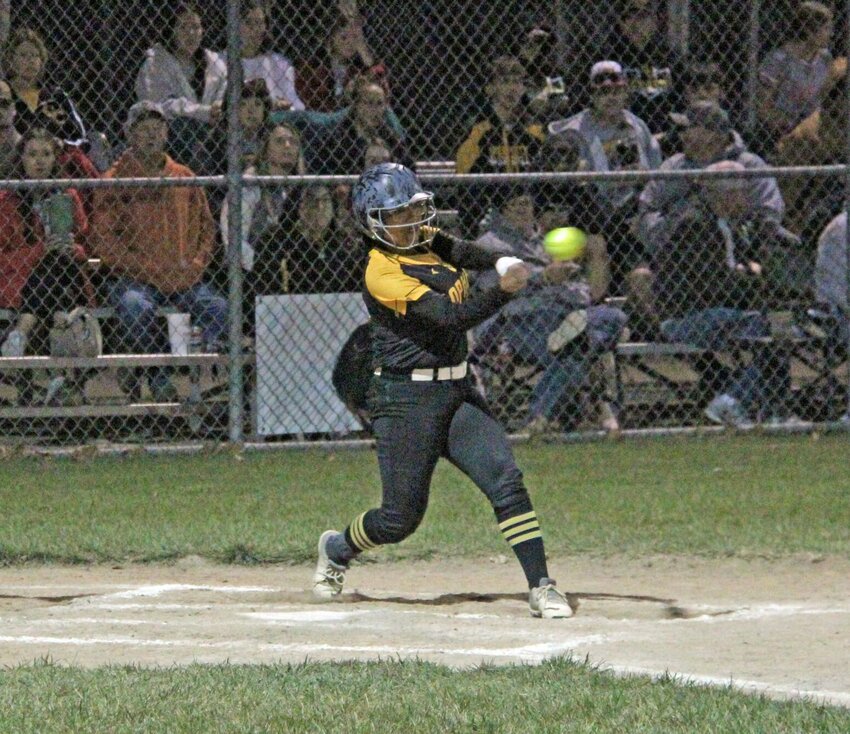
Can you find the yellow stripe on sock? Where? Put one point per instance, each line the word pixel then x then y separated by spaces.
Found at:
pixel 520 529
pixel 511 521
pixel 358 534
pixel 353 531
pixel 528 536
pixel 367 540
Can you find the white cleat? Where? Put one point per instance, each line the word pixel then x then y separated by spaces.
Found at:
pixel 547 602
pixel 329 576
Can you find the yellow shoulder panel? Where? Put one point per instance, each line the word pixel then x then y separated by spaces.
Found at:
pixel 389 285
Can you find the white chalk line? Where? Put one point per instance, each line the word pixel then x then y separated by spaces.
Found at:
pixel 103 621
pixel 526 653
pixel 750 686
pixel 303 616
pixel 160 589
pixel 164 606
pixel 538 652
pixel 763 611
pixel 122 641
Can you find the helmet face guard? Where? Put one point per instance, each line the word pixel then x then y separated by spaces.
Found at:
pixel 381 230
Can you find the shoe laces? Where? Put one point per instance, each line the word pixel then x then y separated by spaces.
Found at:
pixel 549 594
pixel 335 576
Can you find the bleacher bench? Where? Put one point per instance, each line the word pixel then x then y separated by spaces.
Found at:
pixel 662 372
pixel 192 405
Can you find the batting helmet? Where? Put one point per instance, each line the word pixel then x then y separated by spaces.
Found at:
pixel 390 187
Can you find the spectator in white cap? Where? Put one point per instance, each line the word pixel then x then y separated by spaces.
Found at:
pixel 608 137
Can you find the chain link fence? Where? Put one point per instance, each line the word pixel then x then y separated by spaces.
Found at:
pixel 213 292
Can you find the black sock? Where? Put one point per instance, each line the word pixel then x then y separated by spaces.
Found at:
pixel 522 531
pixel 340 550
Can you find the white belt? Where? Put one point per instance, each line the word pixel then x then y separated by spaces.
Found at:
pixel 429 374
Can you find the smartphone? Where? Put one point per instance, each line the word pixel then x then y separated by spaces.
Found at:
pixel 57 212
pixel 555 84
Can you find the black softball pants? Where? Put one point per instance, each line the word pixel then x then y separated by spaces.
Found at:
pixel 415 423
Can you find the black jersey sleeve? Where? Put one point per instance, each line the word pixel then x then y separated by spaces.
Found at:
pixel 462 253
pixel 438 311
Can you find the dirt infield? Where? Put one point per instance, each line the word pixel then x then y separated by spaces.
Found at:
pixel 779 627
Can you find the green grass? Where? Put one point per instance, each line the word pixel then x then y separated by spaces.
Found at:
pixel 746 496
pixel 743 496
pixel 557 696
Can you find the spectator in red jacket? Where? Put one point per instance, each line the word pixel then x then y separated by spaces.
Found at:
pixel 41 257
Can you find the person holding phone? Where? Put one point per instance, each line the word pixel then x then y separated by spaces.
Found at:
pixel 41 251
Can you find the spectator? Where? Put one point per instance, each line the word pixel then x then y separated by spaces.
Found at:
pixel 36 106
pixel 41 252
pixel 187 80
pixel 819 140
pixel 156 244
pixel 700 83
pixel 556 305
pixel 505 139
pixel 268 212
pixel 653 68
pixel 709 291
pixel 59 116
pixel 317 256
pixel 25 60
pixel 832 279
pixel 338 143
pixel 323 79
pixel 255 106
pixel 9 136
pixel 265 208
pixel 548 96
pixel 259 62
pixel 707 138
pixel 607 137
pixel 792 78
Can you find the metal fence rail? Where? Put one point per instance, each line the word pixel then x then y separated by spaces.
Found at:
pixel 184 181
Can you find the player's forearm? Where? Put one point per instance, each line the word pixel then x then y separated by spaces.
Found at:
pixel 463 254
pixel 439 312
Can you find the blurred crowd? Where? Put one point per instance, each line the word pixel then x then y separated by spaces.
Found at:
pixel 698 261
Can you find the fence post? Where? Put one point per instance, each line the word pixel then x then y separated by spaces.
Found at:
pixel 753 48
pixel 846 312
pixel 678 25
pixel 234 221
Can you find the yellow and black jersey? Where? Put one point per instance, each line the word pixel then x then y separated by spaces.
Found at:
pixel 491 147
pixel 421 306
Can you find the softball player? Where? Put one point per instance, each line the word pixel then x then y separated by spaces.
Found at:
pixel 422 400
